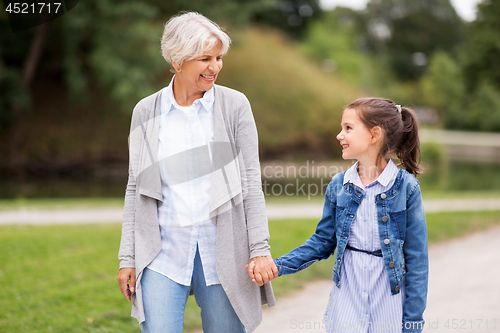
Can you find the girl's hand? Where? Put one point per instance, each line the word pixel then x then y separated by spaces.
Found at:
pixel 126 281
pixel 262 270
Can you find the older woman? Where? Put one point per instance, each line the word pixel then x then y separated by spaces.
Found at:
pixel 194 210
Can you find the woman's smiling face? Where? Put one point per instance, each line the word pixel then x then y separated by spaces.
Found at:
pixel 198 75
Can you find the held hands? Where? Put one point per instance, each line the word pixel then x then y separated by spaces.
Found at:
pixel 124 276
pixel 262 270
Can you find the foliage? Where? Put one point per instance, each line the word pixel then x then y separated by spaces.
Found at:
pixel 337 42
pixel 109 45
pixel 408 32
pixel 484 110
pixel 334 42
pixel 443 87
pixel 290 16
pixel 483 46
pixel 235 13
pixel 14 97
pixel 108 48
pixel 455 72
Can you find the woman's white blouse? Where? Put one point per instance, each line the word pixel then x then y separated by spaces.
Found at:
pixel 185 169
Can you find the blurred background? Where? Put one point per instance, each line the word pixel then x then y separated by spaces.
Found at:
pixel 68 87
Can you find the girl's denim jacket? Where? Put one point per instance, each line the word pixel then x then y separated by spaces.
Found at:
pixel 403 239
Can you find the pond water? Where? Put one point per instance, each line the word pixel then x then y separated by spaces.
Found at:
pixel 454 176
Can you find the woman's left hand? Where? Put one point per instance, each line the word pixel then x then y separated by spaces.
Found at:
pixel 126 281
pixel 262 270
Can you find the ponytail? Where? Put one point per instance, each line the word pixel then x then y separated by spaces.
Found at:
pixel 408 149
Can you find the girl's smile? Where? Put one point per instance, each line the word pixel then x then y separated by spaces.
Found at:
pixel 354 137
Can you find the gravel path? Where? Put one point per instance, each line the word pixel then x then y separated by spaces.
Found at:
pixel 25 216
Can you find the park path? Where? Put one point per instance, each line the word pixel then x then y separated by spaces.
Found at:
pixel 70 216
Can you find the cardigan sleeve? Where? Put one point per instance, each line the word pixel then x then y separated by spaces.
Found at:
pixel 253 201
pixel 126 254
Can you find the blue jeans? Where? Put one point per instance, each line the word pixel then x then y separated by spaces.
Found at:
pixel 165 300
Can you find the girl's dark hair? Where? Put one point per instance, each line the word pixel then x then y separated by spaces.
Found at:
pixel 400 130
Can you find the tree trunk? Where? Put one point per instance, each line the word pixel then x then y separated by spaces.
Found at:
pixel 34 53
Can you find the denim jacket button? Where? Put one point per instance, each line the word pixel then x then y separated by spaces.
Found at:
pixel 391 265
pixel 397 288
pixel 383 196
pixel 387 241
pixel 385 219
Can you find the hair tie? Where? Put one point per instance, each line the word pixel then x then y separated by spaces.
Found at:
pixel 399 108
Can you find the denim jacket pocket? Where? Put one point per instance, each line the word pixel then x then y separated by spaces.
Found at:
pixel 398 224
pixel 398 231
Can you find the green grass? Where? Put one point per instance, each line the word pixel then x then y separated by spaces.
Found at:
pixel 62 278
pixel 445 226
pixel 56 278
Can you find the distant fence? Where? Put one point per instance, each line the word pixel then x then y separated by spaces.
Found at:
pixel 465 146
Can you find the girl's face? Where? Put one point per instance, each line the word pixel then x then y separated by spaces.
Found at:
pixel 199 75
pixel 355 137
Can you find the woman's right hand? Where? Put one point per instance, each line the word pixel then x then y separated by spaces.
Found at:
pixel 262 270
pixel 126 281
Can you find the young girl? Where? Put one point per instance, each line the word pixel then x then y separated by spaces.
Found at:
pixel 373 216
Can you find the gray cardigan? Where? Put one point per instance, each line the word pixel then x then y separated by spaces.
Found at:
pixel 236 201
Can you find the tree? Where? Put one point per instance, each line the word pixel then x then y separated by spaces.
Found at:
pixel 408 32
pixel 482 53
pixel 443 85
pixel 101 57
pixel 484 109
pixel 290 16
pixel 444 89
pixel 334 41
pixel 112 45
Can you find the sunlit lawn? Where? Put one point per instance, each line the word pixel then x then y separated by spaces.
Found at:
pixel 62 278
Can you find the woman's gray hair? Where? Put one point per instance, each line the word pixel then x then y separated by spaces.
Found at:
pixel 188 35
